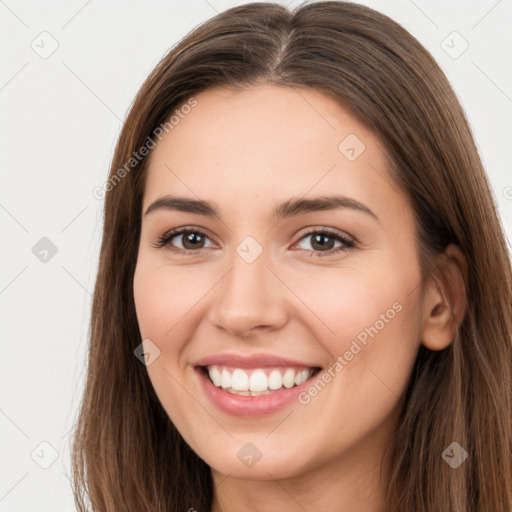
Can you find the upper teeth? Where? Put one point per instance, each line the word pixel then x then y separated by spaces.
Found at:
pixel 258 379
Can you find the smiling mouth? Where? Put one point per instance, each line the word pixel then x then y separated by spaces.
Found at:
pixel 257 381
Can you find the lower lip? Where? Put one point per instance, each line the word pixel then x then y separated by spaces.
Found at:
pixel 240 405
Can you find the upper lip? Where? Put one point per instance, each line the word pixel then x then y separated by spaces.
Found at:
pixel 252 361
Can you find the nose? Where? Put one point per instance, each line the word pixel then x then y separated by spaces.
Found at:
pixel 249 299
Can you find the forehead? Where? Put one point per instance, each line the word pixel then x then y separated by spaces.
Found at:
pixel 266 144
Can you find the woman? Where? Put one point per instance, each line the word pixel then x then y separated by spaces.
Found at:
pixel 303 299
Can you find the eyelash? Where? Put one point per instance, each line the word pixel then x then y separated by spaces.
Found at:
pixel 169 235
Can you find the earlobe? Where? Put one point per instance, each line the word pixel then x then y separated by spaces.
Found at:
pixel 445 300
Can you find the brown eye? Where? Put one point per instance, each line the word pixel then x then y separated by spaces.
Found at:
pixel 190 239
pixel 323 242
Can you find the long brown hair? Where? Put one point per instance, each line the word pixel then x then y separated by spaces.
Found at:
pixel 127 456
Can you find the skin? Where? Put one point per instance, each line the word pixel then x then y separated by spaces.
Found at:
pixel 247 152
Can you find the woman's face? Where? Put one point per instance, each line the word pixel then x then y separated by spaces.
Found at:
pixel 251 297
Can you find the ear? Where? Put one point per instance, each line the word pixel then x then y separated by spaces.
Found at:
pixel 445 300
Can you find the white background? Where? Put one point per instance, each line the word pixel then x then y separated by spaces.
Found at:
pixel 59 121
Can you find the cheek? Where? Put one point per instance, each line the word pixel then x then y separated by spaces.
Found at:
pixel 377 329
pixel 162 303
pixel 163 297
pixel 345 301
pixel 369 321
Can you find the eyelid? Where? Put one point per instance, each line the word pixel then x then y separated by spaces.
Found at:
pixel 167 236
pixel 329 231
pixel 348 241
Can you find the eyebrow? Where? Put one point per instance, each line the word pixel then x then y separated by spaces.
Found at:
pixel 290 208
